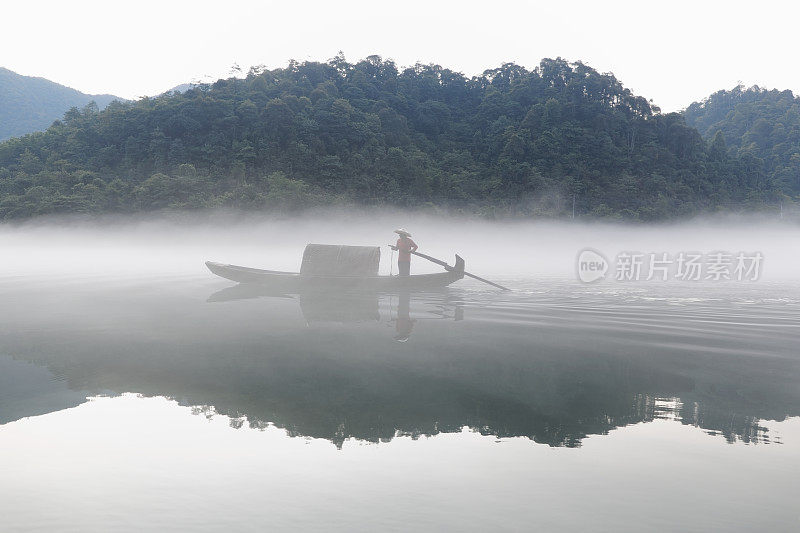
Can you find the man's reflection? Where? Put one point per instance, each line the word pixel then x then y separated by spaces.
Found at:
pixel 404 323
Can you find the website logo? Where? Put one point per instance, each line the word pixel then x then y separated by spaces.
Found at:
pixel 592 266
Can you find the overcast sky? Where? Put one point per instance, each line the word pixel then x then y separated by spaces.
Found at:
pixel 672 52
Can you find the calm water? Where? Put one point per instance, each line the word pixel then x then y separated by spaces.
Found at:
pixel 187 404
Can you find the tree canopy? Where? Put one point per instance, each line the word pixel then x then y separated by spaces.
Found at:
pixel 754 124
pixel 511 141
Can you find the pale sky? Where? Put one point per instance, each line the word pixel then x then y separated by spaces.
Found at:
pixel 673 52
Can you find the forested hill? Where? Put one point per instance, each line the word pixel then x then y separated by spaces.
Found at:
pixel 510 142
pixel 32 104
pixel 755 122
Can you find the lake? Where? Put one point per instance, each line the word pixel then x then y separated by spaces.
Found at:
pixel 180 401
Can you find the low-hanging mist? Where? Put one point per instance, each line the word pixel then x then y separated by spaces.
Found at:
pixel 168 246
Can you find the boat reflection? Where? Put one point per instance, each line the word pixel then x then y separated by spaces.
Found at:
pixel 353 306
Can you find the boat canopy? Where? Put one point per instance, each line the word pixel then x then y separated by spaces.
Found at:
pixel 340 260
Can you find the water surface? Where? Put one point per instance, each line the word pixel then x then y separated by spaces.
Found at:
pixel 140 393
pixel 149 403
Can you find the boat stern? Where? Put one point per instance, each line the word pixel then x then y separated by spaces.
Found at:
pixel 459 266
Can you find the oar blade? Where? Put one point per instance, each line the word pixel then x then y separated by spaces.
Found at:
pixel 487 281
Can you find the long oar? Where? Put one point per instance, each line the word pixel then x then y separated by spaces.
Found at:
pixel 448 267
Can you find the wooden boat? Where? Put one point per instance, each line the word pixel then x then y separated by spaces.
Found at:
pixel 296 281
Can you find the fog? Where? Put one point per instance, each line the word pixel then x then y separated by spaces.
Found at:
pixel 176 246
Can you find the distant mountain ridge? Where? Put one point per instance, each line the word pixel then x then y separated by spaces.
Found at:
pixel 29 104
pixel 182 88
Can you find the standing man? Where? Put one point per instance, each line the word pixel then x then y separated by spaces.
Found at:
pixel 404 246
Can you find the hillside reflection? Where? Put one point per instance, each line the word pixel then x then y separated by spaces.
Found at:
pixel 374 366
